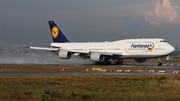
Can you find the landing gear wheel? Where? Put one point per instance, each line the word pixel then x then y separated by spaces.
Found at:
pixel 119 62
pixel 159 63
pixel 106 62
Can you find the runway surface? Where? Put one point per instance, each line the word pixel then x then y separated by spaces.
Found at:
pixel 123 72
pixel 101 72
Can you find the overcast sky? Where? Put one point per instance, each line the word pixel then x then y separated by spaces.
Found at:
pixel 24 21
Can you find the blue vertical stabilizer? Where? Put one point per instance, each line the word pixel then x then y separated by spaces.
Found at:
pixel 56 33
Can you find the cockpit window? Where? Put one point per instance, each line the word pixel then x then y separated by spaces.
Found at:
pixel 163 41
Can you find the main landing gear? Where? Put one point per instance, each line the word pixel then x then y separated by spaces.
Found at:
pixel 119 62
pixel 109 62
pixel 105 62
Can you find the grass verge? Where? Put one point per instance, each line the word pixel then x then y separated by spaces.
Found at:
pixel 88 88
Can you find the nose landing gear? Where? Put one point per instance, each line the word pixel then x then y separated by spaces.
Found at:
pixel 159 63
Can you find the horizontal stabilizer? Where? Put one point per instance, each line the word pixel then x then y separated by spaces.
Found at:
pixel 41 44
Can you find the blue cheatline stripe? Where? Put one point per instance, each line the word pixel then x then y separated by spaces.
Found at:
pixel 58 36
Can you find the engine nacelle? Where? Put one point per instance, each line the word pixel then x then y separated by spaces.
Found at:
pixel 140 59
pixel 97 57
pixel 64 54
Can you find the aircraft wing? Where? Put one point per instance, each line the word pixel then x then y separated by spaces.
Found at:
pixel 44 48
pixel 71 50
pixel 87 52
pixel 78 51
pixel 39 48
pixel 108 53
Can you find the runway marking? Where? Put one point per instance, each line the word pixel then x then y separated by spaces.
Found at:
pixel 145 72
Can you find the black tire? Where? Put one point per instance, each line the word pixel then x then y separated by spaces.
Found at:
pixel 105 62
pixel 159 63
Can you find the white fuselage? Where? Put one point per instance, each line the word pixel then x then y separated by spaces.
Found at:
pixel 127 48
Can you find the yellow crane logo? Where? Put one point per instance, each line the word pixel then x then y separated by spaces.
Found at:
pixel 55 32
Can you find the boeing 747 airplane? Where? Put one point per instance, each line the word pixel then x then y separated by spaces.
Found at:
pixel 104 53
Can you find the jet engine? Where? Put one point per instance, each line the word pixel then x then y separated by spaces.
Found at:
pixel 64 54
pixel 140 59
pixel 97 57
